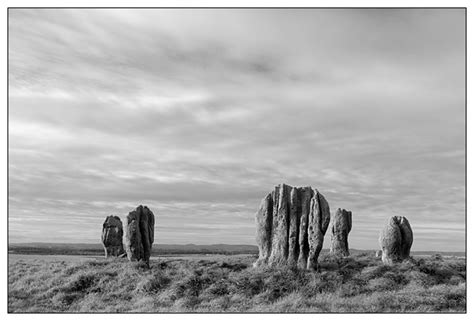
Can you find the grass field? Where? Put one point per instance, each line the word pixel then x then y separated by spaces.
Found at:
pixel 219 283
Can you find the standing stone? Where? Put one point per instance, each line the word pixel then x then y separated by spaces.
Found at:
pixel 341 225
pixel 279 253
pixel 291 224
pixel 293 244
pixel 264 230
pixel 139 234
pixel 306 193
pixel 112 234
pixel 318 221
pixel 407 236
pixel 395 240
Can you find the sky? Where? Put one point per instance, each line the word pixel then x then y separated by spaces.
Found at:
pixel 198 114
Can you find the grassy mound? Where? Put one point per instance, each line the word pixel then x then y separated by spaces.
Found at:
pixel 358 283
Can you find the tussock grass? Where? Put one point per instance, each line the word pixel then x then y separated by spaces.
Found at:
pixel 358 283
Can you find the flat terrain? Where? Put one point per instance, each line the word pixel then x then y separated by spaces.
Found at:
pixel 220 283
pixel 96 249
pixel 25 258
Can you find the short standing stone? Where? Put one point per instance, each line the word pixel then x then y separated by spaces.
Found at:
pixel 112 234
pixel 395 240
pixel 341 225
pixel 139 234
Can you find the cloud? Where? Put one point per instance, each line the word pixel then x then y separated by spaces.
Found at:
pixel 199 113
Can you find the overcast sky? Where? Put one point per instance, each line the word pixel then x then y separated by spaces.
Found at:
pixel 199 113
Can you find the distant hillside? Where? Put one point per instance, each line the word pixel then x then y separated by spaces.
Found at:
pixel 164 249
pixel 158 249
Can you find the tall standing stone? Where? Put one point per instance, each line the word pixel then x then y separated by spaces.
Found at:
pixel 139 234
pixel 264 220
pixel 306 194
pixel 395 240
pixel 279 253
pixel 291 224
pixel 341 225
pixel 112 234
pixel 293 242
pixel 318 222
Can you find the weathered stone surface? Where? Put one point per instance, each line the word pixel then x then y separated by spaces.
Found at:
pixel 395 240
pixel 318 223
pixel 294 232
pixel 378 253
pixel 264 220
pixel 407 236
pixel 139 234
pixel 112 234
pixel 279 253
pixel 341 225
pixel 293 244
pixel 306 193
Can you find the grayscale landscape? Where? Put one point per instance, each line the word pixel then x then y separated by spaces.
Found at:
pixel 236 160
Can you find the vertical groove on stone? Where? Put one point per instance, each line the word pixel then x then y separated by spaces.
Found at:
pixel 279 252
pixel 306 195
pixel 293 247
pixel 325 213
pixel 284 208
pixel 349 221
pixel 314 234
pixel 275 197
